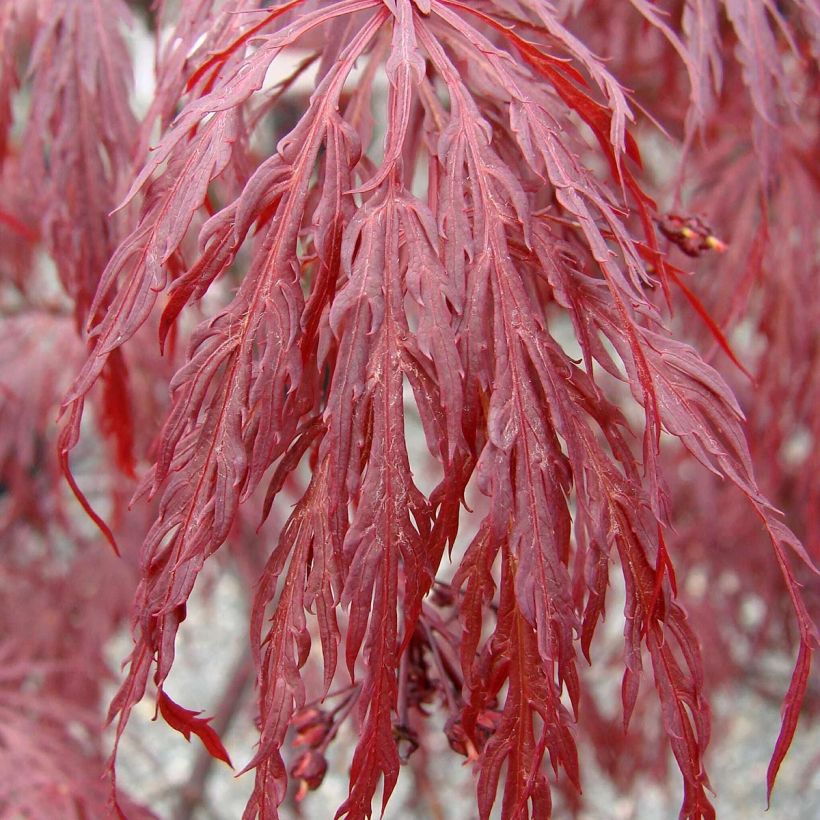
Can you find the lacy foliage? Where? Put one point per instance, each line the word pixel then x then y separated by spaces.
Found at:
pixel 321 293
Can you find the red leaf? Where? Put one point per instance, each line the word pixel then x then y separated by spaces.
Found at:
pixel 185 721
pixel 218 59
pixel 791 713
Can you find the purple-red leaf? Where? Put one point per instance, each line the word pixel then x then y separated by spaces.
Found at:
pixel 186 721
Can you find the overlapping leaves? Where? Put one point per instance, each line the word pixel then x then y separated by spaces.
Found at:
pixel 353 292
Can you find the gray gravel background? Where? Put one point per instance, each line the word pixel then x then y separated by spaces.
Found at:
pixel 155 762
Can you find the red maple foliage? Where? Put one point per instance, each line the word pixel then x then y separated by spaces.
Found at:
pixel 453 224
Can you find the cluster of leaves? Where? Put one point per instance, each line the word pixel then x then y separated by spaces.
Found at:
pixel 311 297
pixel 752 171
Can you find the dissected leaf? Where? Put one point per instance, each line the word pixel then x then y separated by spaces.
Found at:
pixel 489 272
pixel 186 721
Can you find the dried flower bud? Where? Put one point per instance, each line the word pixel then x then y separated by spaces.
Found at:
pixel 312 725
pixel 309 716
pixel 488 721
pixel 456 735
pixel 442 595
pixel 310 767
pixel 690 233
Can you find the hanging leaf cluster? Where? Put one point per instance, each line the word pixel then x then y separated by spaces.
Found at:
pixel 460 190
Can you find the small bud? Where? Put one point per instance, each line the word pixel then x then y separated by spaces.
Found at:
pixel 488 720
pixel 715 244
pixel 312 725
pixel 443 595
pixel 309 716
pixel 458 740
pixel 311 737
pixel 310 767
pixel 690 233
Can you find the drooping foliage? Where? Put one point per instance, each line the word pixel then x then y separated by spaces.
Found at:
pixel 459 193
pixel 61 599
